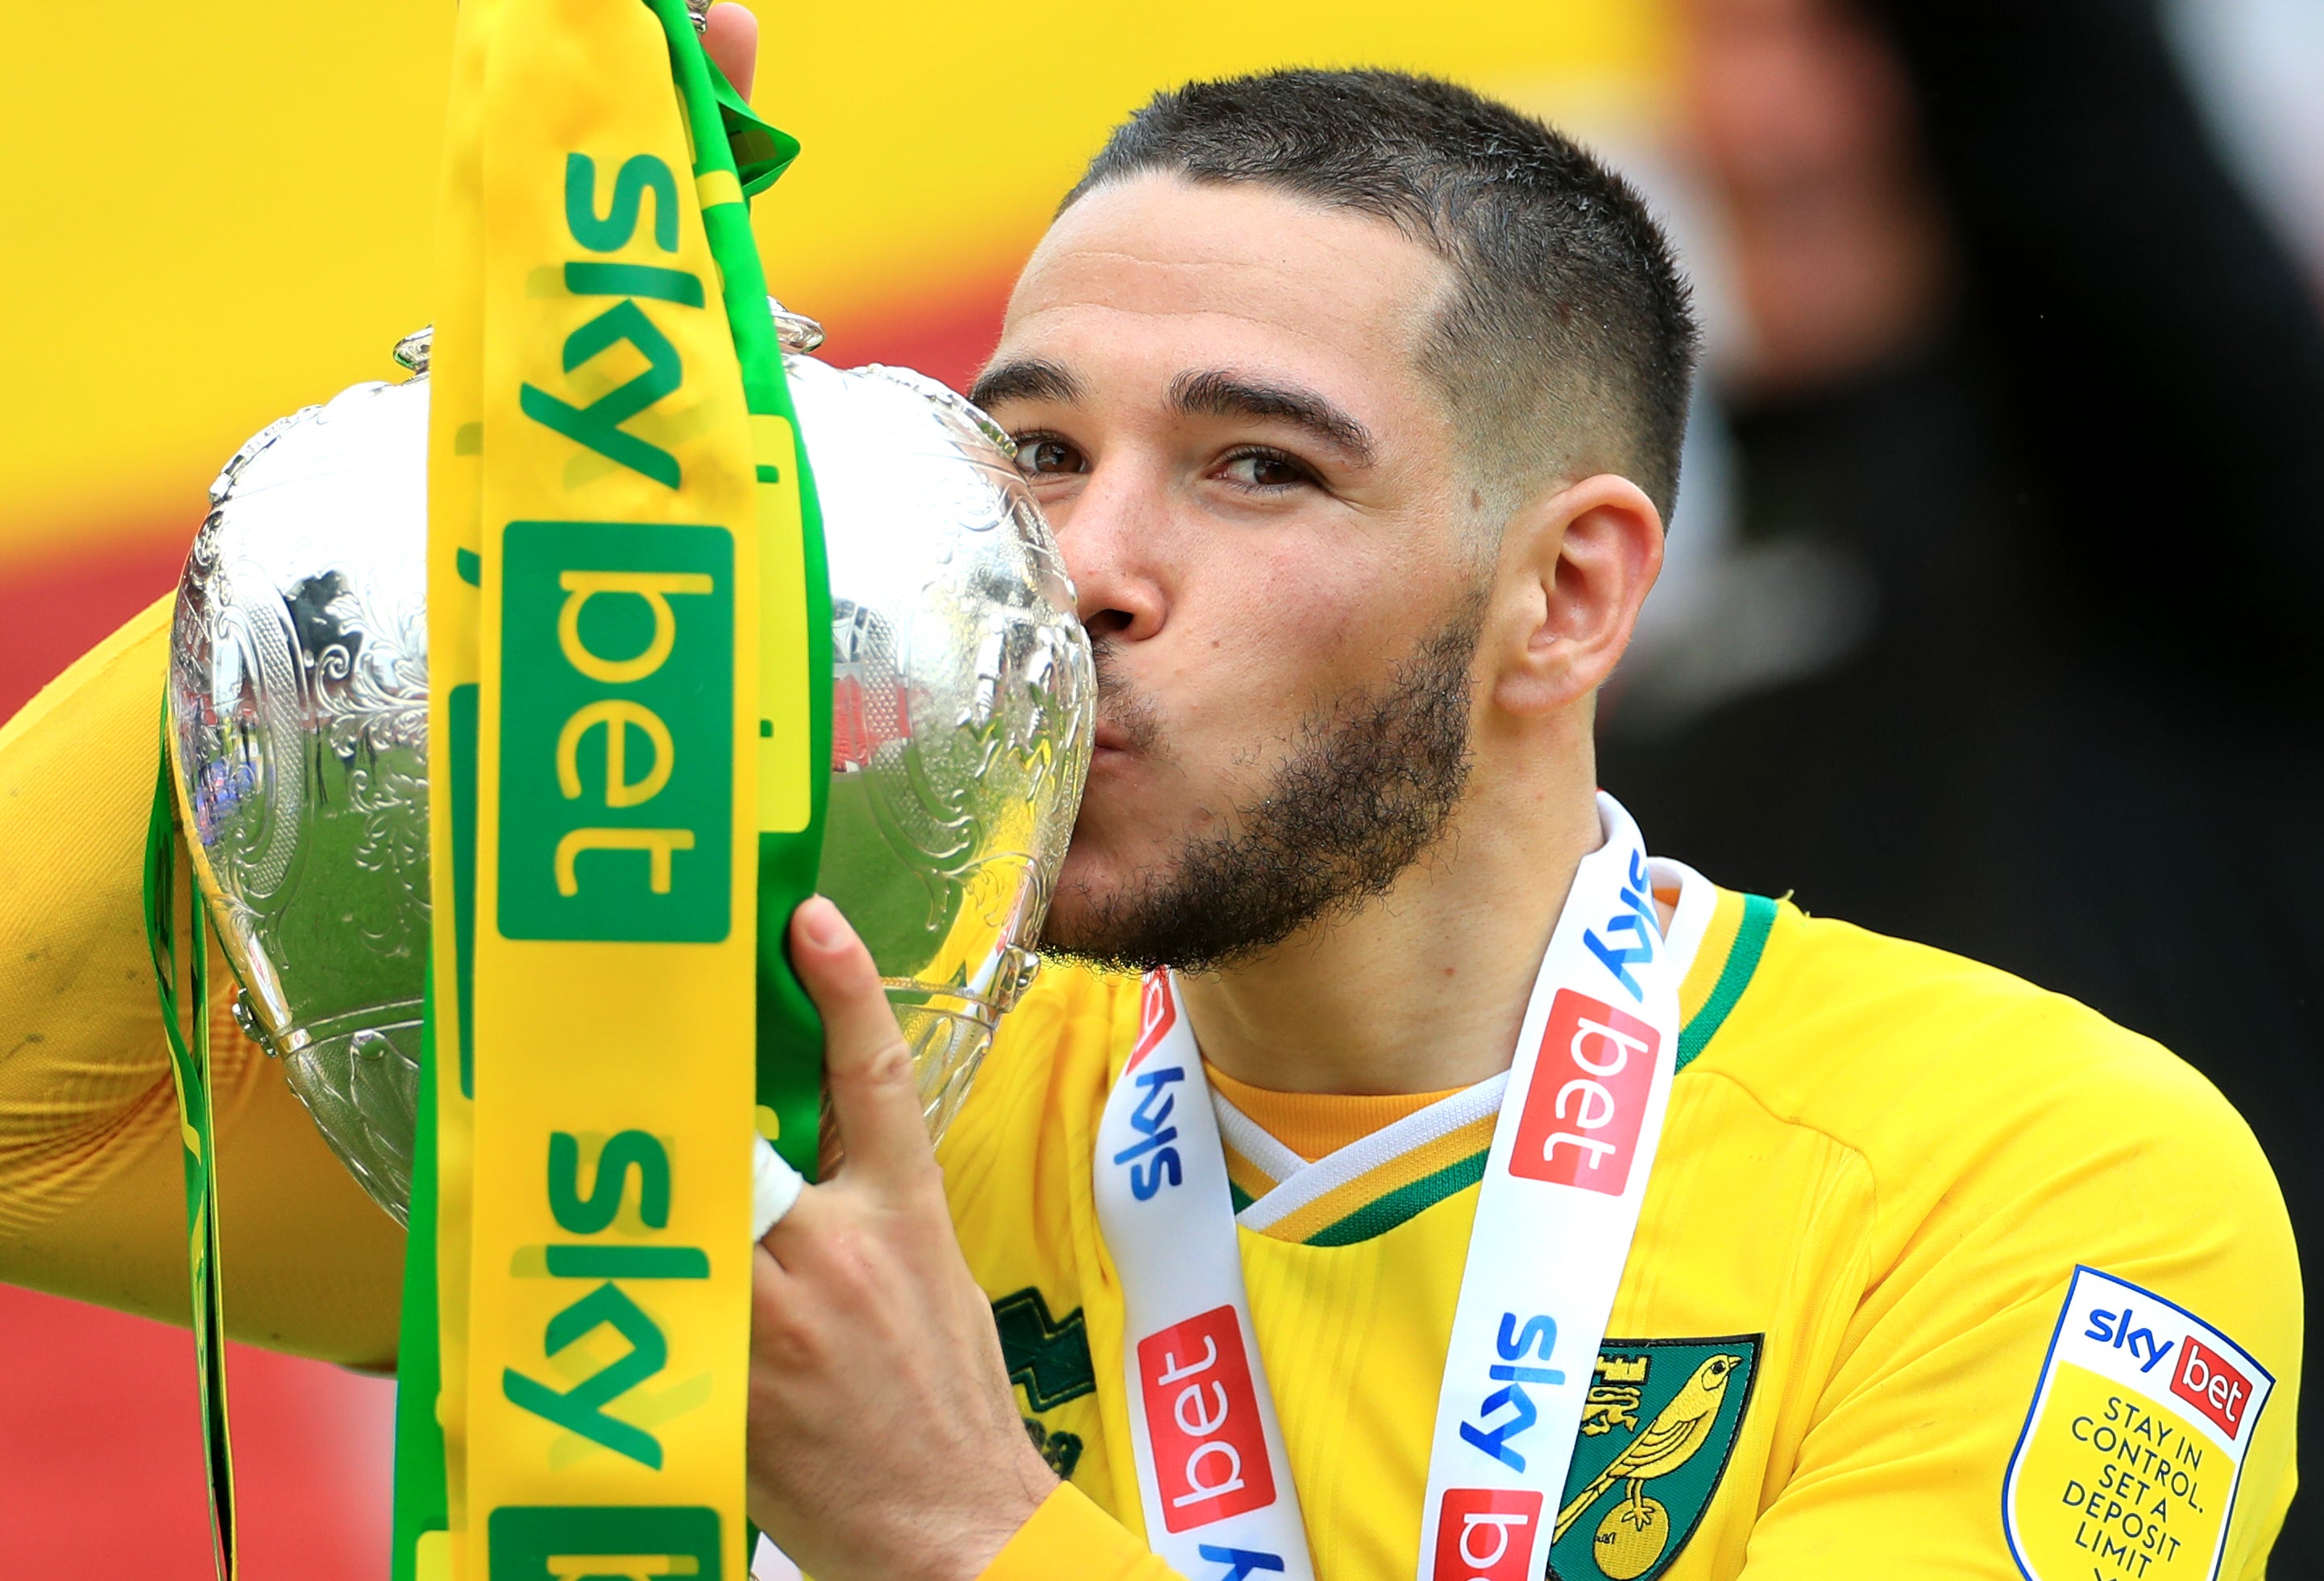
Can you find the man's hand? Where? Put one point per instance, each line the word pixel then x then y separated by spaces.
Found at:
pixel 730 35
pixel 885 1442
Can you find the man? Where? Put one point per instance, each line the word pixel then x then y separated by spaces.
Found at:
pixel 1355 400
pixel 1459 1188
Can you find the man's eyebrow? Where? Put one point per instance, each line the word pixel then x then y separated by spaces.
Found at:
pixel 1224 394
pixel 1025 379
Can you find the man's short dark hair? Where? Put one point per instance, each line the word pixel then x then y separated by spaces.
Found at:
pixel 1568 344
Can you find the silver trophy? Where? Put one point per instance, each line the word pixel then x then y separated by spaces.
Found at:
pixel 961 708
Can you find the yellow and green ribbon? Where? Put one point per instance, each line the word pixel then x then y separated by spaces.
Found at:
pixel 630 635
pixel 181 973
pixel 629 626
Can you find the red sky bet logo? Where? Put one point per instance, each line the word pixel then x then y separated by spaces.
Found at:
pixel 1485 1534
pixel 1588 1097
pixel 1156 1015
pixel 1210 1452
pixel 2211 1383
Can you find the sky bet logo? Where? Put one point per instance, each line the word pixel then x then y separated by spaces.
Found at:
pixel 581 1408
pixel 1636 923
pixel 1588 1096
pixel 2210 1383
pixel 1202 1423
pixel 598 425
pixel 2204 1379
pixel 2115 1330
pixel 617 638
pixel 617 731
pixel 1485 1534
pixel 1534 1342
pixel 1151 1160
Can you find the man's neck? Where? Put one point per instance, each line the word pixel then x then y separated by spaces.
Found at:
pixel 1421 989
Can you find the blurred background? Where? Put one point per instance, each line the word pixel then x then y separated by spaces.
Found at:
pixel 1995 614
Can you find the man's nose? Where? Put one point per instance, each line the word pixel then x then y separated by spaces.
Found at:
pixel 1115 538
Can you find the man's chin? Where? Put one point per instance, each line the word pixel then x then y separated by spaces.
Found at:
pixel 1098 911
pixel 1075 925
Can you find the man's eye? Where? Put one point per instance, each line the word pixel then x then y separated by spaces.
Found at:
pixel 1265 469
pixel 1038 456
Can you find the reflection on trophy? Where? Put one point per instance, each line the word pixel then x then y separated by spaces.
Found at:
pixel 962 703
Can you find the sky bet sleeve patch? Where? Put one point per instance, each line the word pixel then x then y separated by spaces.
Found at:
pixel 2129 1464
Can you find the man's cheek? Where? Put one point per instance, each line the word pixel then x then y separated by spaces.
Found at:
pixel 1123 829
pixel 1091 861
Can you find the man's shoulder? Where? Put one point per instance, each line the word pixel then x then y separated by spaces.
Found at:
pixel 1935 1066
pixel 2001 1144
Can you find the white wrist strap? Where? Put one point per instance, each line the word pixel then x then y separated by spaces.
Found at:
pixel 775 1185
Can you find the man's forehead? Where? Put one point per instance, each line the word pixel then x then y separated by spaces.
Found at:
pixel 1161 248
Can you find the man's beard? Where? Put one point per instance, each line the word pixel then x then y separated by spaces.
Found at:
pixel 1368 788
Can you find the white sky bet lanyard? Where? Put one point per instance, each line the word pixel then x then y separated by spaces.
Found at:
pixel 1572 1151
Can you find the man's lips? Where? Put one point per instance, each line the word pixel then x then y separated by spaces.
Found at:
pixel 1112 738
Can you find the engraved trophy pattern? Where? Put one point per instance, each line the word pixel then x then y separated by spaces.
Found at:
pixel 961 704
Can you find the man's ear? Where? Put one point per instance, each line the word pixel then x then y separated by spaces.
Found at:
pixel 1575 566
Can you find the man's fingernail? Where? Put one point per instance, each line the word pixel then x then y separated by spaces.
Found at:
pixel 822 923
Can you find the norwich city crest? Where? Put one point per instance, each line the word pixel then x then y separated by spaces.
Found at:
pixel 1656 1432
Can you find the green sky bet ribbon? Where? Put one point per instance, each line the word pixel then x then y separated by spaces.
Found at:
pixel 190 1073
pixel 753 154
pixel 420 1497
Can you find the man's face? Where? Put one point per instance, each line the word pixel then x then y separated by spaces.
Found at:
pixel 1217 393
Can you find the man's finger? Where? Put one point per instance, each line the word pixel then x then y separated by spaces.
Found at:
pixel 874 1100
pixel 731 33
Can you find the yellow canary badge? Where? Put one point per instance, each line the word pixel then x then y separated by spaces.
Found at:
pixel 1657 1428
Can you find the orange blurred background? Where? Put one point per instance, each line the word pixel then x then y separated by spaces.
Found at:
pixel 221 213
pixel 236 222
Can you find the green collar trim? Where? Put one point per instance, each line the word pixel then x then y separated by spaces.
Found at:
pixel 1384 1212
pixel 1742 962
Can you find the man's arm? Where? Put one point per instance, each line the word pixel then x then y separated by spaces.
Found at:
pixel 92 1196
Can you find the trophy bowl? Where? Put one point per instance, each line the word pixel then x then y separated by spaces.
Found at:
pixel 962 703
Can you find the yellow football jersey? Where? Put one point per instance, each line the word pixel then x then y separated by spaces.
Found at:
pixel 1881 1168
